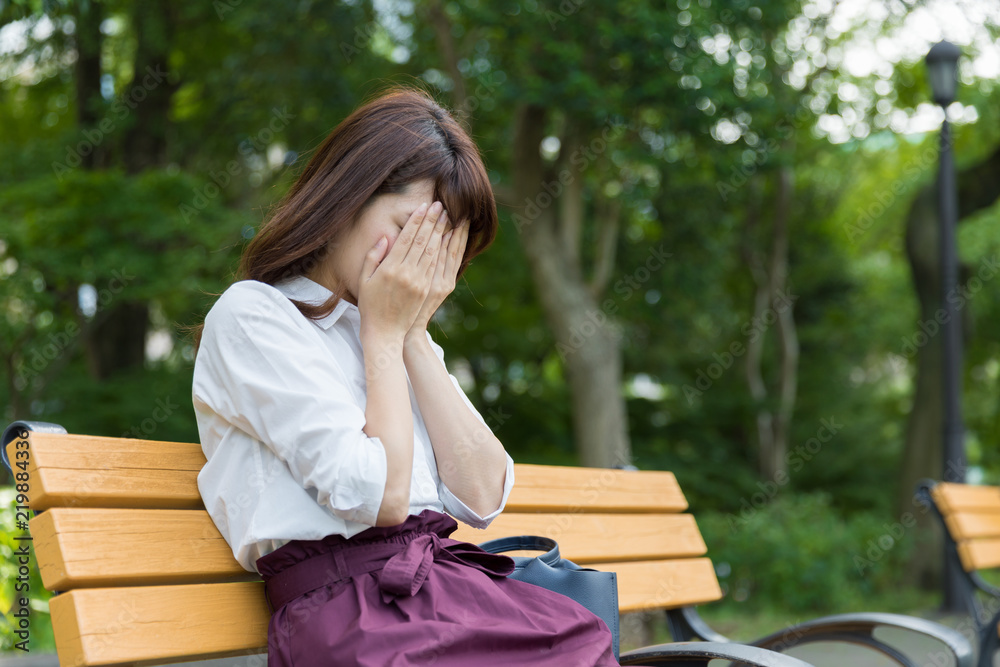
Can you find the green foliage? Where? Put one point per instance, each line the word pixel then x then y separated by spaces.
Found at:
pixel 798 551
pixel 128 239
pixel 13 583
pixel 81 226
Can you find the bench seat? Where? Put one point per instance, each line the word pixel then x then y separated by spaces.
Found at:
pixel 144 574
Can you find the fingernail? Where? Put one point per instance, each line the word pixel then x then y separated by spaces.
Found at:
pixel 422 208
pixel 436 207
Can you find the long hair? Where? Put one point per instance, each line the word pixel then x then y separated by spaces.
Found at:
pixel 395 139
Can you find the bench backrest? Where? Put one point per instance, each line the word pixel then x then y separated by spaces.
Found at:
pixel 145 576
pixel 972 516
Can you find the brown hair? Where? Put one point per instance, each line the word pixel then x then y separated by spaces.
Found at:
pixel 399 137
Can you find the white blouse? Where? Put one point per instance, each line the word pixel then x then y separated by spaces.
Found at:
pixel 280 404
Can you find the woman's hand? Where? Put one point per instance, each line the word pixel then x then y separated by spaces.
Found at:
pixel 394 286
pixel 445 273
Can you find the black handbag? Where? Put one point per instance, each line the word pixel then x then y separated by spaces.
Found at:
pixel 594 589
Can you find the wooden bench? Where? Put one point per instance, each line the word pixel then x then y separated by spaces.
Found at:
pixel 144 577
pixel 970 516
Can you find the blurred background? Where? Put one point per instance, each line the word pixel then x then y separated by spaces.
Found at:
pixel 718 251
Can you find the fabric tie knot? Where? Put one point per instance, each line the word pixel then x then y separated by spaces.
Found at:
pixel 405 572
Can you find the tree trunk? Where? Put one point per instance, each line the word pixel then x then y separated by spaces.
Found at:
pixel 771 298
pixel 435 14
pixel 151 89
pixel 788 340
pixel 87 81
pixel 118 341
pixel 978 187
pixel 588 344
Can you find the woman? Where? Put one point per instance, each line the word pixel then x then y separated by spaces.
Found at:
pixel 336 439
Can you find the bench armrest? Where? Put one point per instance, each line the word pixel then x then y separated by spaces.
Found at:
pixel 984 585
pixel 701 653
pixel 13 431
pixel 859 628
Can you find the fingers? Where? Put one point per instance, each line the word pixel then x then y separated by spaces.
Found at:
pixel 421 246
pixel 373 258
pixel 454 247
pixel 406 236
pixel 427 240
pixel 441 269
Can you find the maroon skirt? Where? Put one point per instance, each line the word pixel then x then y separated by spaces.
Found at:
pixel 409 595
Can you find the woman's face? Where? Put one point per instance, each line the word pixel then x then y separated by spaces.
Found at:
pixel 384 216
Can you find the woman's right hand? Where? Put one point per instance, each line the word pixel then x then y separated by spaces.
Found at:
pixel 393 286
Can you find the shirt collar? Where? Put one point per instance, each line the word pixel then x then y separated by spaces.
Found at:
pixel 301 288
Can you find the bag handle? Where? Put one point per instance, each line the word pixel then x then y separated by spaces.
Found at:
pixel 526 543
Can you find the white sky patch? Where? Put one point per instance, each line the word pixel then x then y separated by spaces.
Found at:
pixel 14 37
pixel 866 54
pixel 43 28
pixel 390 15
pixel 861 61
pixel 726 131
pixel 87 299
pixel 159 345
pixel 643 386
pixel 987 65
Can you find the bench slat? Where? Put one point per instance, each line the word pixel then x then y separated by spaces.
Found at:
pixel 155 625
pixel 665 584
pixel 591 538
pixel 540 488
pixel 971 525
pixel 87 471
pixel 82 547
pixel 951 498
pixel 979 554
pixel 159 624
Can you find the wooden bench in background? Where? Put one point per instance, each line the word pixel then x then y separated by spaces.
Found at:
pixel 144 577
pixel 970 515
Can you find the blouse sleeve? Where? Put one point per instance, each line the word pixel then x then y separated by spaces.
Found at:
pixel 262 368
pixel 451 502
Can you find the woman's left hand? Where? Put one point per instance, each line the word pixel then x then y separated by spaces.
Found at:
pixel 449 260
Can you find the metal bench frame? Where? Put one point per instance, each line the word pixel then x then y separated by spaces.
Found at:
pixel 985 614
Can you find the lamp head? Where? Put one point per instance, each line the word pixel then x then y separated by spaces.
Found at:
pixel 942 67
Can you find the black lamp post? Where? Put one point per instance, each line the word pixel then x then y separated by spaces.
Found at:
pixel 942 66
